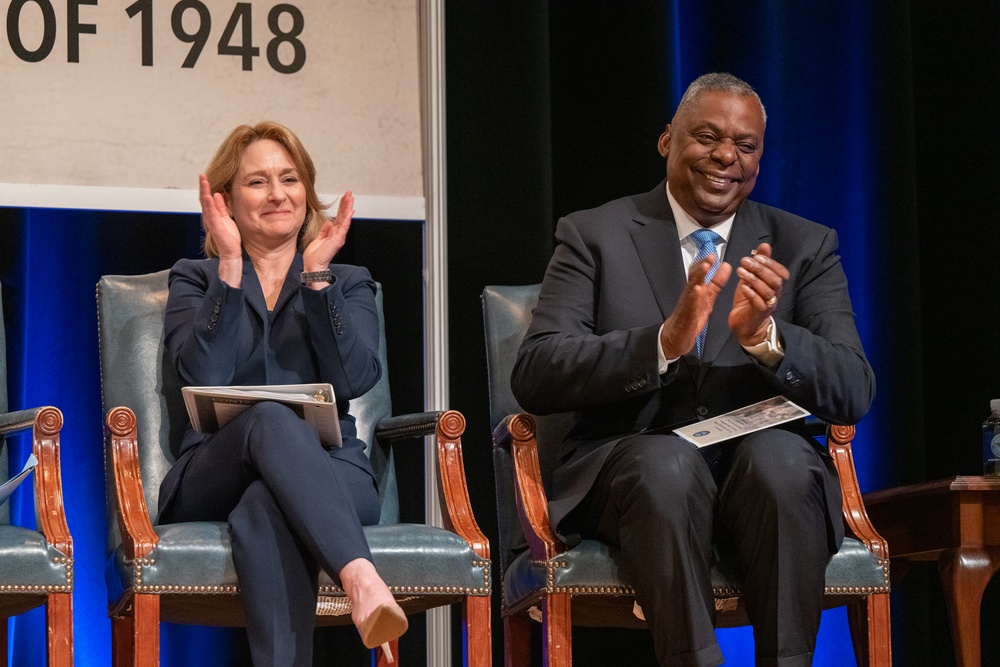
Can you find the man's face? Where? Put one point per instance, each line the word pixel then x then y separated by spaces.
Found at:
pixel 713 148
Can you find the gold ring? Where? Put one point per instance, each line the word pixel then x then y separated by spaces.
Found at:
pixel 770 302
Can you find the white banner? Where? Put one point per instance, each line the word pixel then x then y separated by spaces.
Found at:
pixel 139 93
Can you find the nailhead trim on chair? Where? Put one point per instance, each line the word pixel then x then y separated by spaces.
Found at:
pixel 137 567
pixel 550 570
pixel 139 563
pixel 417 589
pixel 14 588
pixel 719 592
pixel 865 590
pixel 189 590
pixel 67 588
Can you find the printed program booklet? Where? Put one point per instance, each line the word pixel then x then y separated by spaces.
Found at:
pixel 755 417
pixel 211 408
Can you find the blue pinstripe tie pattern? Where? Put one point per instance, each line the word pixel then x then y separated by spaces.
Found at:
pixel 706 240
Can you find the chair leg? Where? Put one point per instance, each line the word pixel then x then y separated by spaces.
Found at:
pixel 3 641
pixel 516 640
pixel 478 628
pixel 59 619
pixel 871 630
pixel 135 634
pixel 557 631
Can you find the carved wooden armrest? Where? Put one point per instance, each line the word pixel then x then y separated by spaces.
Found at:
pixel 448 427
pixel 529 492
pixel 454 485
pixel 137 533
pixel 838 442
pixel 49 508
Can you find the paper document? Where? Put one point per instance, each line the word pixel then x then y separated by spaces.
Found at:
pixel 211 408
pixel 742 421
pixel 8 487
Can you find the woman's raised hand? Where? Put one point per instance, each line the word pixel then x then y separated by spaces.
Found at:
pixel 318 255
pixel 217 221
pixel 228 242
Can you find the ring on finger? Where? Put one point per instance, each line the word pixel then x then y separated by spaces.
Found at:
pixel 770 302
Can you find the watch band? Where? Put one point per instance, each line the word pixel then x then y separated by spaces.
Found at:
pixel 323 276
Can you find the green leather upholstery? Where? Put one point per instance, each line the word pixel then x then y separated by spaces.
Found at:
pixel 191 567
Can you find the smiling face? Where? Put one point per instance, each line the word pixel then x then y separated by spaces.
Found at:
pixel 713 148
pixel 267 198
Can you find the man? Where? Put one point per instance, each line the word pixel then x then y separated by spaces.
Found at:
pixel 615 337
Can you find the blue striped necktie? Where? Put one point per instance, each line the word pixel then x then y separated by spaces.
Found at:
pixel 706 240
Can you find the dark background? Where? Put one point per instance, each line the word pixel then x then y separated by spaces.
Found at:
pixel 882 123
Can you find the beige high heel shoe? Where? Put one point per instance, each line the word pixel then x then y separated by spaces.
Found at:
pixel 384 624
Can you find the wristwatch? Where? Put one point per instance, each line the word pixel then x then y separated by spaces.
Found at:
pixel 770 350
pixel 323 276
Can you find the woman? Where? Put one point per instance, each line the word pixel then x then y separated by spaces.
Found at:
pixel 268 307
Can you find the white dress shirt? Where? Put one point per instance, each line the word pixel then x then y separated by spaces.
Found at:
pixel 769 352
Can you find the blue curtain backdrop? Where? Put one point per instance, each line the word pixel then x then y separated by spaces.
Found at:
pixel 817 68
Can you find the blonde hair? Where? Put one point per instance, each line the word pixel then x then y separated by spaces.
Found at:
pixel 224 166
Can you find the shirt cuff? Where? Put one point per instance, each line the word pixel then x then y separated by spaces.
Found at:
pixel 771 351
pixel 662 362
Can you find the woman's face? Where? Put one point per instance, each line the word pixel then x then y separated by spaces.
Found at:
pixel 267 198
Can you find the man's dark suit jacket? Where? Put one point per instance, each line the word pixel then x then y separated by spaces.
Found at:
pixel 614 277
pixel 215 334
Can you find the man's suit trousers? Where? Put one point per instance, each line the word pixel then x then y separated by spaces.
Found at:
pixel 659 500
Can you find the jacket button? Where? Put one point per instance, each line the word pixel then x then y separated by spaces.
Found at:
pixel 701 410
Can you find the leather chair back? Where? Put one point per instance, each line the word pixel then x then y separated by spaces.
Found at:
pixel 506 316
pixel 135 372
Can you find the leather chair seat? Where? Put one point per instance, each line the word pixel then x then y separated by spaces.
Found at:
pixel 591 570
pixel 196 557
pixel 25 557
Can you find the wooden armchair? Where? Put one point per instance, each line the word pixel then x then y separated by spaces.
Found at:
pixel 183 573
pixel 583 584
pixel 37 566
